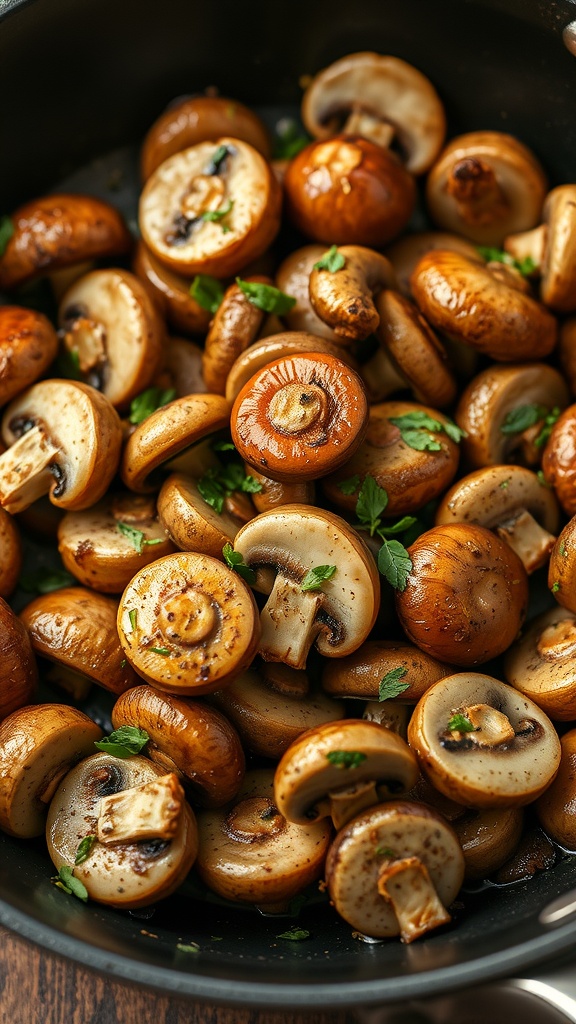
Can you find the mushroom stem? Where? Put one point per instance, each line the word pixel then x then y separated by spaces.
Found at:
pixel 25 473
pixel 528 245
pixel 558 640
pixel 491 727
pixel 87 338
pixel 344 804
pixel 150 811
pixel 531 542
pixel 476 191
pixel 289 625
pixel 406 884
pixel 360 122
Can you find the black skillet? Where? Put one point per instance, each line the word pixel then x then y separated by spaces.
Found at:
pixel 79 78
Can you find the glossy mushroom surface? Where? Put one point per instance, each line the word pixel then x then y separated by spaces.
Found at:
pixel 28 344
pixel 542 663
pixel 18 671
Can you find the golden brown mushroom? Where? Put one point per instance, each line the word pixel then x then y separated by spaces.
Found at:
pixel 236 325
pixel 559 460
pixel 552 249
pixel 18 672
pixel 344 298
pixel 28 344
pixel 171 293
pixel 542 664
pixel 556 808
pixel 279 346
pixel 10 554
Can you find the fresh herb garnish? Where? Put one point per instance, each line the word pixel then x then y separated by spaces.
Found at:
pixel 562 548
pixel 315 577
pixel 290 139
pixel 349 486
pixel 222 446
pixel 207 292
pixel 332 260
pixel 190 947
pixel 6 232
pixel 526 266
pixel 217 159
pixel 394 563
pixel 219 482
pixel 294 934
pixel 549 421
pixel 266 297
pixel 390 685
pixel 126 741
pixel 460 723
pixel 234 560
pixel 83 851
pixel 555 587
pixel 66 881
pixel 136 537
pixel 393 560
pixel 542 479
pixel 400 527
pixel 44 581
pixel 384 851
pixel 504 484
pixel 345 758
pixel 523 417
pixel 68 363
pixel 218 215
pixel 133 616
pixel 161 650
pixel 372 500
pixel 148 401
pixel 416 431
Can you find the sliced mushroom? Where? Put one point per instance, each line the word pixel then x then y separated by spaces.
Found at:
pixel 293 278
pixel 344 299
pixel 10 554
pixel 170 292
pixel 542 664
pixel 360 674
pixel 278 346
pixel 382 98
pixel 188 738
pixel 28 344
pixel 337 615
pixel 38 746
pixel 235 326
pixel 558 460
pixel 145 835
pixel 188 624
pixel 18 672
pixel 552 249
pixel 65 439
pixel 394 870
pixel 482 743
pixel 557 808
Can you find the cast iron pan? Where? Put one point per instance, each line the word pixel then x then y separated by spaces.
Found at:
pixel 79 78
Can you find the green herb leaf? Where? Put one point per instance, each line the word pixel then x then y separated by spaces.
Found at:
pixel 290 139
pixel 504 484
pixel 394 563
pixel 403 524
pixel 491 255
pixel 6 232
pixel 222 446
pixel 190 947
pixel 555 587
pixel 234 560
pixel 455 433
pixel 66 881
pixel 44 581
pixel 390 685
pixel 218 215
pixel 562 548
pixel 68 363
pixel 526 266
pixel 294 934
pixel 83 851
pixel 220 482
pixel 346 758
pixel 460 723
pixel 549 421
pixel 522 417
pixel 349 486
pixel 148 401
pixel 211 491
pixel 217 159
pixel 372 500
pixel 161 650
pixel 415 429
pixel 133 616
pixel 217 938
pixel 332 260
pixel 123 742
pixel 315 577
pixel 384 851
pixel 207 292
pixel 266 297
pixel 542 479
pixel 136 537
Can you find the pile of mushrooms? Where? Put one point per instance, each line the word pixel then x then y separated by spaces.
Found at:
pixel 300 508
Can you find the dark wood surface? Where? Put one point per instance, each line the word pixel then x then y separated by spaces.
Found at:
pixel 39 988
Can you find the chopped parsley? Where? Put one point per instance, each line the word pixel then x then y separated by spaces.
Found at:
pixel 349 486
pixel 460 723
pixel 526 266
pixel 314 578
pixel 294 934
pixel 148 401
pixel 290 139
pixel 219 215
pixel 219 482
pixel 83 851
pixel 416 430
pixel 207 291
pixel 136 537
pixel 234 560
pixel 266 297
pixel 522 417
pixel 44 581
pixel 345 758
pixel 390 685
pixel 66 881
pixel 333 260
pixel 126 741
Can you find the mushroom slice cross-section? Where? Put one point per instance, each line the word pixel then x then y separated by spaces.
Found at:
pixel 542 663
pixel 283 547
pixel 552 249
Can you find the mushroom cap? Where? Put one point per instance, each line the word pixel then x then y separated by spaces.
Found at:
pixel 293 278
pixel 278 346
pixel 57 231
pixel 10 554
pixel 76 627
pixel 344 299
pixel 558 284
pixel 38 745
pixel 406 251
pixel 18 672
pixel 542 664
pixel 556 808
pixel 190 521
pixel 171 293
pixel 480 773
pixel 306 776
pixel 360 674
pixel 488 839
pixel 389 89
pixel 188 737
pixel 127 875
pixel 194 624
pixel 559 460
pixel 28 344
pixel 236 324
pixel 561 569
pixel 394 831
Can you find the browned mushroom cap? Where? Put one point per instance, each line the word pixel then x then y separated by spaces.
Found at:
pixel 188 738
pixel 57 231
pixel 65 439
pixel 293 278
pixel 201 215
pixel 511 501
pixel 344 299
pixel 381 98
pixel 360 674
pixel 482 743
pixel 188 624
pixel 200 119
pixel 190 521
pixel 167 432
pixel 405 253
pixel 28 344
pixel 249 853
pixel 338 769
pixel 488 406
pixel 394 870
pixel 109 321
pixel 279 346
pixel 557 808
pixel 235 326
pixel 184 365
pixel 273 493
pixel 466 595
pixel 10 554
pixel 170 292
pixel 467 301
pixel 542 664
pixel 300 417
pixel 145 835
pixel 552 249
pixel 76 628
pixel 559 460
pixel 488 839
pixel 38 746
pixel 562 570
pixel 18 673
pixel 336 612
pixel 410 477
pixel 104 546
pixel 486 185
pixel 272 704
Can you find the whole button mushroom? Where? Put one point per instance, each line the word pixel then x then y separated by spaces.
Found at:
pixel 363 674
pixel 394 870
pixel 210 209
pixel 338 769
pixel 559 460
pixel 28 344
pixel 189 738
pixel 171 293
pixel 300 417
pixel 552 249
pixel 18 672
pixel 38 746
pixel 482 743
pixel 64 440
pixel 556 809
pixel 542 664
pixel 562 570
pixel 144 834
pixel 488 839
pixel 466 595
pixel 191 522
pixel 236 324
pixel 344 297
pixel 188 624
pixel 321 579
pixel 279 346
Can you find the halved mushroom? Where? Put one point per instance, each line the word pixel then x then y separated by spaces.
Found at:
pixel 64 440
pixel 10 554
pixel 144 832
pixel 394 870
pixel 170 292
pixel 334 610
pixel 482 743
pixel 191 522
pixel 382 98
pixel 486 185
pixel 511 501
pixel 249 853
pixel 188 624
pixel 293 278
pixel 405 253
pixel 360 674
pixel 57 231
pixel 279 346
pixel 552 249
pixel 559 460
pixel 557 808
pixel 18 672
pixel 188 738
pixel 236 324
pixel 542 664
pixel 38 746
pixel 210 209
pixel 338 769
pixel 28 344
pixel 344 299
pixel 109 321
